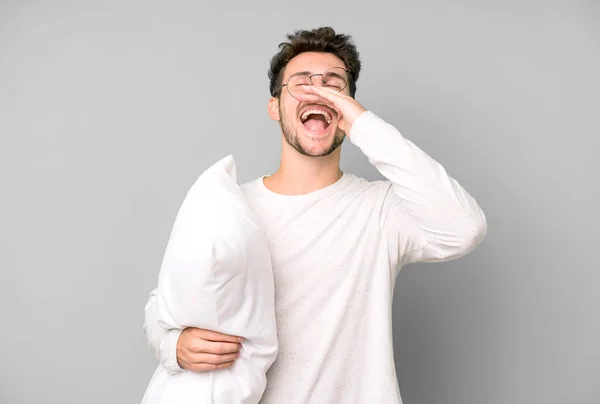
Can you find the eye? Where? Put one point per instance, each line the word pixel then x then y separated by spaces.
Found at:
pixel 335 83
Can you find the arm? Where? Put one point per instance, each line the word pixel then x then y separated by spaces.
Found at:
pixel 426 215
pixel 163 342
pixel 192 349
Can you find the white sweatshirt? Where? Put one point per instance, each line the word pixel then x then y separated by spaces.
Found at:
pixel 336 253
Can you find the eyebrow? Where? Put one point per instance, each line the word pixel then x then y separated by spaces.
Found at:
pixel 308 73
pixel 335 75
pixel 304 73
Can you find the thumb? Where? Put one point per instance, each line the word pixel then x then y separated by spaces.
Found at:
pixel 342 125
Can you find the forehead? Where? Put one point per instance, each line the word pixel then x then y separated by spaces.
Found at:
pixel 316 62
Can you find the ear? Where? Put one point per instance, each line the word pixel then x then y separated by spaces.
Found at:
pixel 274 108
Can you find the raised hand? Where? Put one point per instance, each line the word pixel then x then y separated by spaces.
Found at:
pixel 348 108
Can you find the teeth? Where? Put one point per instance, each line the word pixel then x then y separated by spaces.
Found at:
pixel 316 111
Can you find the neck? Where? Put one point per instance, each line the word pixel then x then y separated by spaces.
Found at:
pixel 299 174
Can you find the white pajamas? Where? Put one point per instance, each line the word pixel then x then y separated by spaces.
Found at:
pixel 335 254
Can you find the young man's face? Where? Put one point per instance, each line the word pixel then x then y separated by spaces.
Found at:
pixel 311 134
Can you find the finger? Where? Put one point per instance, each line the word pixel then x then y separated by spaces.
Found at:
pixel 216 336
pixel 329 94
pixel 346 106
pixel 206 367
pixel 219 348
pixel 310 98
pixel 310 90
pixel 321 95
pixel 213 359
pixel 317 100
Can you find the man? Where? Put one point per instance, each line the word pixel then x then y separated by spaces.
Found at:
pixel 337 241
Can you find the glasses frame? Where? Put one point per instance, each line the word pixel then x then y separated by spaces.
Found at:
pixel 310 76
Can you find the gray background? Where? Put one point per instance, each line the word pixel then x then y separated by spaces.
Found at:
pixel 109 111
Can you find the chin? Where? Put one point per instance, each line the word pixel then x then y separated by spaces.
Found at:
pixel 319 145
pixel 314 152
pixel 313 143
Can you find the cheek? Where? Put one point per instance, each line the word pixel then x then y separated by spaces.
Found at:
pixel 287 112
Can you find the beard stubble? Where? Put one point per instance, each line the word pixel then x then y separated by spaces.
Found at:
pixel 291 136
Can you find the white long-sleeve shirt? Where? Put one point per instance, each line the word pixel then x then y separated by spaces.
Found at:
pixel 336 253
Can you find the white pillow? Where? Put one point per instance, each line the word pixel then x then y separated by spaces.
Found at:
pixel 216 274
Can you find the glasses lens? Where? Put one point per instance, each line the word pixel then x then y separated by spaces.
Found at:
pixel 297 82
pixel 334 78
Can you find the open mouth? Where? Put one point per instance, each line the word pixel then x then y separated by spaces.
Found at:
pixel 316 120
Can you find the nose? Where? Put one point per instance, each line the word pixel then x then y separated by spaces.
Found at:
pixel 317 82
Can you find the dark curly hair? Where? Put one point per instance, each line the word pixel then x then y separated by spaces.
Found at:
pixel 323 39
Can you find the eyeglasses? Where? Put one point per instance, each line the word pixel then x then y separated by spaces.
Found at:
pixel 335 78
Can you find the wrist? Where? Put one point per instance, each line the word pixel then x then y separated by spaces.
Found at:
pixel 168 351
pixel 357 128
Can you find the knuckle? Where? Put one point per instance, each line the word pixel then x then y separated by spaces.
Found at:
pixel 194 358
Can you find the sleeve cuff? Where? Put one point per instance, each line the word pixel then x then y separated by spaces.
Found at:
pixel 360 124
pixel 168 352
